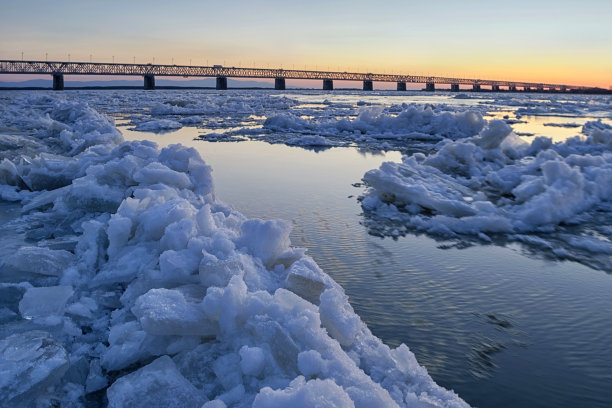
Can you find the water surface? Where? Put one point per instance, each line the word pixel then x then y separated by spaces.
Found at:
pixel 498 325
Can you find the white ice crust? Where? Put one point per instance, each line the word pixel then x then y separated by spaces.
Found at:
pixel 495 183
pixel 169 297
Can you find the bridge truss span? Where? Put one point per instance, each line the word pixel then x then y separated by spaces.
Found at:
pixel 58 69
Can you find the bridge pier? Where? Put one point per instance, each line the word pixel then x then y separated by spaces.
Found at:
pixel 526 89
pixel 221 83
pixel 279 84
pixel 401 86
pixel 495 88
pixel 328 85
pixel 149 81
pixel 563 89
pixel 540 88
pixel 430 86
pixel 368 85
pixel 455 87
pixel 58 82
pixel 476 87
pixel 512 88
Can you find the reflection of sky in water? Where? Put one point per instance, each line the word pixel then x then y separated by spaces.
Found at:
pixel 497 326
pixel 533 126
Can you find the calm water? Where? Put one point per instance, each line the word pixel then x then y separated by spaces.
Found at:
pixel 498 326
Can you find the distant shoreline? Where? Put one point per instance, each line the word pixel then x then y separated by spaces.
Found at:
pixel 595 91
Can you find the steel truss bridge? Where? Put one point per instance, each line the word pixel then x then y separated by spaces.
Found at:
pixel 149 71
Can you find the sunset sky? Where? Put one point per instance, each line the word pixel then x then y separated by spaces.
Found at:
pixel 545 41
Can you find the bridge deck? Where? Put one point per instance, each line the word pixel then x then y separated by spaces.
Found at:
pixel 98 68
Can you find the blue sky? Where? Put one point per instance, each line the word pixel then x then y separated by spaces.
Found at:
pixel 550 41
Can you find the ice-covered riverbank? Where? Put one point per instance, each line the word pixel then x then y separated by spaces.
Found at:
pixel 140 286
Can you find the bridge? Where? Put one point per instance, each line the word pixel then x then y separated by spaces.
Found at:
pixel 149 71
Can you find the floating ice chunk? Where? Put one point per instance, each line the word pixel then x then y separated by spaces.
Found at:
pixel 85 308
pixel 167 312
pixel 127 346
pixel 175 267
pixel 269 241
pixel 159 384
pixel 306 280
pixel 158 125
pixel 309 141
pixel 155 173
pixel 338 317
pixel 214 404
pixel 119 231
pixel 563 125
pixel 45 301
pixel 252 360
pixel 39 261
pixel 205 221
pixel 44 199
pixel 134 260
pixel 493 135
pixel 304 394
pixel 154 220
pixel 30 363
pixel 191 120
pixel 284 122
pixel 177 235
pixel 311 363
pixel 601 136
pixel 88 194
pixel 219 272
pixel 305 287
pixel 428 188
pixel 592 244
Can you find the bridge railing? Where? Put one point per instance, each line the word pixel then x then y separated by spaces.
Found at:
pixel 100 68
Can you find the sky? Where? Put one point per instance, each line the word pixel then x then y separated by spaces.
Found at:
pixel 560 41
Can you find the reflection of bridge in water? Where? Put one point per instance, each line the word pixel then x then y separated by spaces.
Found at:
pixel 149 71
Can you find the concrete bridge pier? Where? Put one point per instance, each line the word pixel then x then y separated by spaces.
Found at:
pixel 279 84
pixel 512 88
pixel 328 85
pixel 368 85
pixel 495 88
pixel 221 83
pixel 430 86
pixel 401 86
pixel 58 82
pixel 476 87
pixel 526 89
pixel 455 87
pixel 149 81
pixel 563 89
pixel 540 88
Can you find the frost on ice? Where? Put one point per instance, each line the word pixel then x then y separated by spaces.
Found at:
pixel 148 292
pixel 539 193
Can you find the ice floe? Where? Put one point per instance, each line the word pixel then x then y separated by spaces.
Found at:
pixel 495 183
pixel 169 297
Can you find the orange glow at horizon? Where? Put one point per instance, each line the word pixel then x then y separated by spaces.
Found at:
pixel 549 41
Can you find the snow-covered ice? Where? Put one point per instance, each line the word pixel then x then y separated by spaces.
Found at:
pixel 495 183
pixel 170 297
